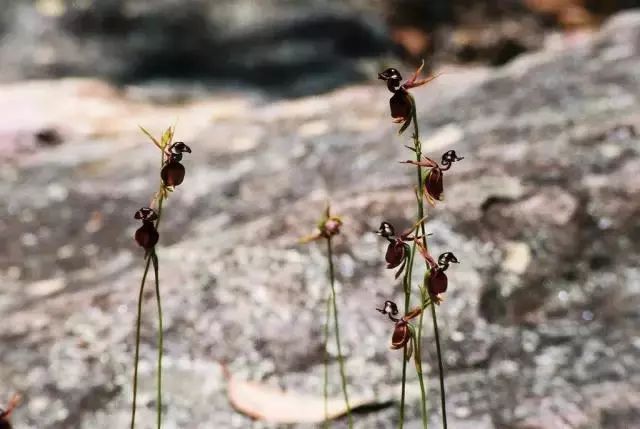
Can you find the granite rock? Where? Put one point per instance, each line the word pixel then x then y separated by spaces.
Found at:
pixel 549 175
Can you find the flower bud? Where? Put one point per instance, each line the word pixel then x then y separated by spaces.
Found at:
pixel 331 227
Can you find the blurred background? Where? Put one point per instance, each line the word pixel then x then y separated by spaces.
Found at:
pixel 294 46
pixel 279 103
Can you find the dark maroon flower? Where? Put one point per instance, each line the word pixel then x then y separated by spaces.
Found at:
pixel 402 333
pixel 146 236
pixel 401 102
pixel 398 251
pixel 433 180
pixel 437 280
pixel 172 173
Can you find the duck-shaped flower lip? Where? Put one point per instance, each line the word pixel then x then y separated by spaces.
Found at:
pixel 401 103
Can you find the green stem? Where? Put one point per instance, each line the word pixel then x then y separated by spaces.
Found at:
pixel 418 339
pixel 418 361
pixel 148 258
pixel 440 367
pixel 137 353
pixel 406 282
pixel 343 375
pixel 418 149
pixel 151 255
pixel 326 364
pixel 154 257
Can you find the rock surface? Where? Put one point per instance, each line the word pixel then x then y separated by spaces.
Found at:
pixel 540 321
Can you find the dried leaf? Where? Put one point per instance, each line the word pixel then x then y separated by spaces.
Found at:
pixel 274 405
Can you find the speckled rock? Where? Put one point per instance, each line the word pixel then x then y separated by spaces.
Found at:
pixel 540 321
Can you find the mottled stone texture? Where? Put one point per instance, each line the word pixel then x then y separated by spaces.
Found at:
pixel 540 323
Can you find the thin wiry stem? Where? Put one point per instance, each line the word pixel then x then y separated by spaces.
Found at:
pixel 418 361
pixel 440 367
pixel 418 339
pixel 343 375
pixel 418 150
pixel 326 364
pixel 137 352
pixel 154 258
pixel 406 283
pixel 151 255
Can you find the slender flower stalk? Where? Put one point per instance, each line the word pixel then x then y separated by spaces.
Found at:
pixel 417 146
pixel 429 176
pixel 137 352
pixel 343 375
pixel 400 254
pixel 154 259
pixel 405 337
pixel 418 361
pixel 406 283
pixel 325 390
pixel 172 174
pixel 328 227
